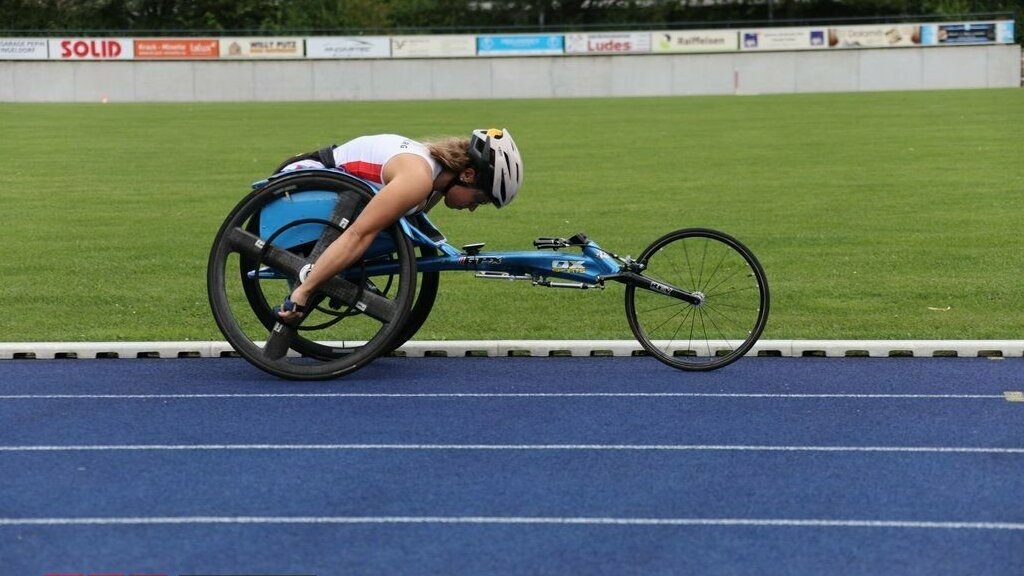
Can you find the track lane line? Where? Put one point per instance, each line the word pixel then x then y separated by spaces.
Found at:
pixel 512 447
pixel 514 520
pixel 1003 396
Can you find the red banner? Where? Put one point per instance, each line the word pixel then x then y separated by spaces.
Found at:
pixel 91 49
pixel 172 49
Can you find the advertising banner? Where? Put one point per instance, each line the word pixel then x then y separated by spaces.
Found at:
pixel 608 42
pixel 968 33
pixel 876 36
pixel 695 41
pixel 783 39
pixel 520 45
pixel 261 48
pixel 176 49
pixel 1005 32
pixel 433 46
pixel 348 47
pixel 91 49
pixel 23 48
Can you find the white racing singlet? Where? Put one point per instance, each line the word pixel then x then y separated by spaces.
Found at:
pixel 367 156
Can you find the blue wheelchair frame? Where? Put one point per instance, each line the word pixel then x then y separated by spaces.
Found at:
pixel 588 269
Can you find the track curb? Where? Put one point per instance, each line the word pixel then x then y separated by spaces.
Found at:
pixel 537 348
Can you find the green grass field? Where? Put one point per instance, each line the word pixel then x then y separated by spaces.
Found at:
pixel 876 215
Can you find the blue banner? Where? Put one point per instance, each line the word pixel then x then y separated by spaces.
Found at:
pixel 520 44
pixel 968 33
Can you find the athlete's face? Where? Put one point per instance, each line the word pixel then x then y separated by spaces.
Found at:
pixel 463 196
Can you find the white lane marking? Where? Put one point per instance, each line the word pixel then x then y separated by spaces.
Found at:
pixel 527 520
pixel 519 447
pixel 504 395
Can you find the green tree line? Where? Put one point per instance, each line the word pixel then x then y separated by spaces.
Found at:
pixel 435 16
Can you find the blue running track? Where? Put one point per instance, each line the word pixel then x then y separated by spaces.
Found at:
pixel 479 466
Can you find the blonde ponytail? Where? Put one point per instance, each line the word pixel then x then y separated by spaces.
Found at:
pixel 452 152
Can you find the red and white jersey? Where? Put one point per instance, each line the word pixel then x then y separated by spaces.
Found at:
pixel 366 156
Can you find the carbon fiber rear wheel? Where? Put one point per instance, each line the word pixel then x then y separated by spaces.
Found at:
pixel 357 316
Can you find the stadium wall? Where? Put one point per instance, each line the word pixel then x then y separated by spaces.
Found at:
pixel 929 68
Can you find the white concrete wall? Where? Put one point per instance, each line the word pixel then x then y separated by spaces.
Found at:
pixel 516 77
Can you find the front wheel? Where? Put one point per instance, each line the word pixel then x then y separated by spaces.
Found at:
pixel 731 290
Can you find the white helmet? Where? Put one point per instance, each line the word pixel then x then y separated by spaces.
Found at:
pixel 499 167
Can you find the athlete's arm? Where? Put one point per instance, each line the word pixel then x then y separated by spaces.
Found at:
pixel 408 182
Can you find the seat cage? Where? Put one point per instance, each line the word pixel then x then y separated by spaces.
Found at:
pixel 318 205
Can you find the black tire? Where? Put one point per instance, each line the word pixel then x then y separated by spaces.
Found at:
pixel 355 320
pixel 729 320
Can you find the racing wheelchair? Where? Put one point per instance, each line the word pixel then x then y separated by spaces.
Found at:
pixel 695 298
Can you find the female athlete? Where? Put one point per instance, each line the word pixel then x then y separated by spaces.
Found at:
pixel 485 168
